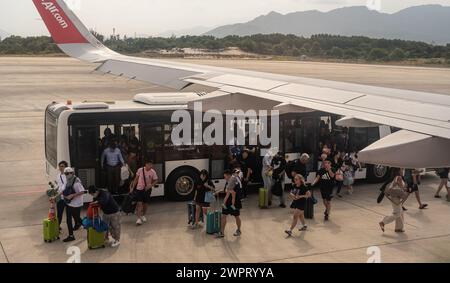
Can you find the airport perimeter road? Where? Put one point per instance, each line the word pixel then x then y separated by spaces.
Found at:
pixel 27 85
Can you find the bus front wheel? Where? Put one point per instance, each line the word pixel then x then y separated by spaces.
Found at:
pixel 378 173
pixel 180 185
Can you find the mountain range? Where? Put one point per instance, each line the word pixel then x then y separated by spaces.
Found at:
pixel 428 23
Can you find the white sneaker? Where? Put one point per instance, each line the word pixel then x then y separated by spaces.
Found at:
pixel 139 222
pixel 144 219
pixel 115 244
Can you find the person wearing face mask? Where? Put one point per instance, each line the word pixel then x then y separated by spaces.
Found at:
pixel 73 196
pixel 112 159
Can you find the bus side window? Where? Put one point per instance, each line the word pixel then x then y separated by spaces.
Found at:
pixel 373 134
pixel 358 139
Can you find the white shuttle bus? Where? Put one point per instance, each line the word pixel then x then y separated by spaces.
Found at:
pixel 74 133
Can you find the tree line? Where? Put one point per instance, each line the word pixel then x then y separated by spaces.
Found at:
pixel 318 46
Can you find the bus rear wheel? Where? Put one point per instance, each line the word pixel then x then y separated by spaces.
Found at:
pixel 180 185
pixel 377 173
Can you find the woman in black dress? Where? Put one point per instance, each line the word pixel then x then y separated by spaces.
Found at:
pixel 299 194
pixel 204 185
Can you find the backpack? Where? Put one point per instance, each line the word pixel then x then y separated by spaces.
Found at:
pixel 69 190
pixel 277 188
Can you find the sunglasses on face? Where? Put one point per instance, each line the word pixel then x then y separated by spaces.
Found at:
pixel 68 174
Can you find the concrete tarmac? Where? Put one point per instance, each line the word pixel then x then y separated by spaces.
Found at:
pixel 27 85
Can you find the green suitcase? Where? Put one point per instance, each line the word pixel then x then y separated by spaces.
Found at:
pixel 51 230
pixel 96 240
pixel 213 222
pixel 263 198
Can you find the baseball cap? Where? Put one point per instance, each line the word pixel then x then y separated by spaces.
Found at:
pixel 69 170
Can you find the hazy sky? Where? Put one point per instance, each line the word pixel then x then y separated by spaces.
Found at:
pixel 151 17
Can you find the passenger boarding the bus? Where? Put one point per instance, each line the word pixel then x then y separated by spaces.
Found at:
pixel 113 160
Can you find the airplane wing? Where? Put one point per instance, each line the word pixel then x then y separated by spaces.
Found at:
pixel 422 115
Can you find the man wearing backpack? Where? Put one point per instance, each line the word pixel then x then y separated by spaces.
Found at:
pixel 397 193
pixel 279 169
pixel 73 196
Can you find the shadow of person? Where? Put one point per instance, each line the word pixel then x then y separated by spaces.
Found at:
pixel 332 226
pixel 402 236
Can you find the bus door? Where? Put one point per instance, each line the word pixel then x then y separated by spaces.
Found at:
pixel 309 138
pixel 152 139
pixel 130 142
pixel 84 153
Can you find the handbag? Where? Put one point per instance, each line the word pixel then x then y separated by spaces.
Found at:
pixel 129 204
pixel 339 176
pixel 69 190
pixel 99 225
pixel 124 172
pixel 313 199
pixel 209 197
pixel 86 223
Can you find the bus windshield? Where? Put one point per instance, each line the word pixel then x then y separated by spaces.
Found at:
pixel 51 129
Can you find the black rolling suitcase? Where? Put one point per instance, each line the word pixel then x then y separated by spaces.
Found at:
pixel 309 206
pixel 128 204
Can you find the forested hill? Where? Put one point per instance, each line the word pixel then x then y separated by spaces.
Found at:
pixel 317 46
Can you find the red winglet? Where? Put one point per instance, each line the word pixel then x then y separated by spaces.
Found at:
pixel 61 28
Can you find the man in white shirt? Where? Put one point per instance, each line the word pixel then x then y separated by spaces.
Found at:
pixel 61 182
pixel 73 196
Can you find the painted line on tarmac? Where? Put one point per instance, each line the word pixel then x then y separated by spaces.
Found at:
pixel 4 253
pixel 358 248
pixel 371 210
